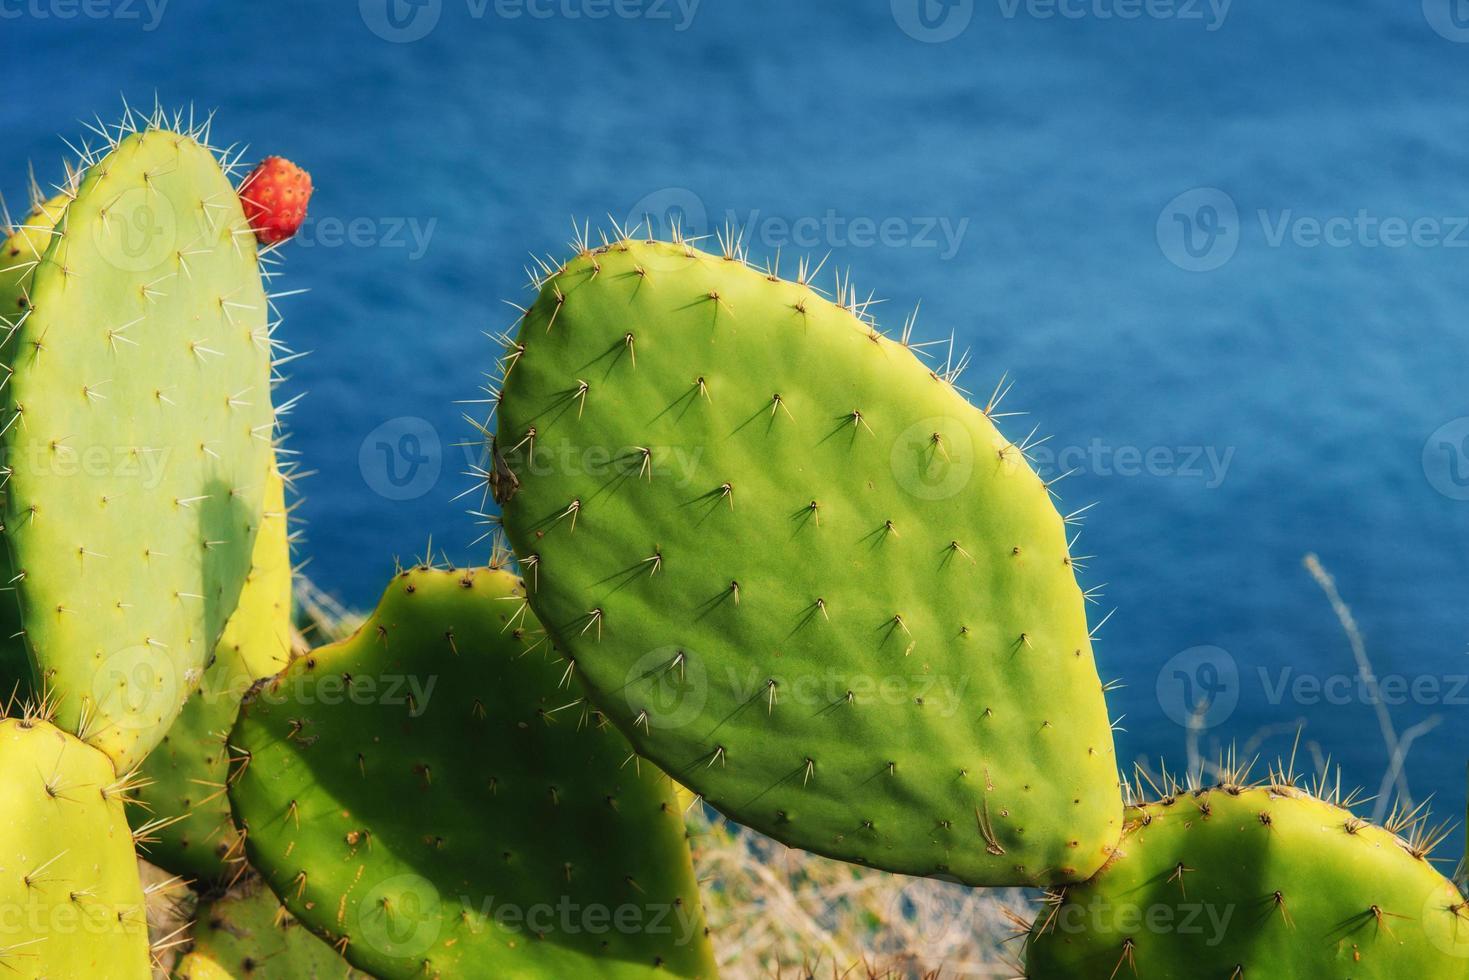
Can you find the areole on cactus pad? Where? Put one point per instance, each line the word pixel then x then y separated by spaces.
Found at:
pixel 137 429
pixel 434 797
pixel 801 572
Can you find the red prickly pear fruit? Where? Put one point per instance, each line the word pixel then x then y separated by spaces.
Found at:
pixel 274 197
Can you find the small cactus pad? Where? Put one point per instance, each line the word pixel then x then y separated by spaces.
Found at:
pixel 801 572
pixel 186 774
pixel 69 882
pixel 248 935
pixel 434 797
pixel 137 428
pixel 1254 883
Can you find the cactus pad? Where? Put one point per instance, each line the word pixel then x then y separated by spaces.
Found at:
pixel 1253 882
pixel 200 966
pixel 433 797
pixel 69 882
pixel 801 572
pixel 248 935
pixel 137 427
pixel 186 774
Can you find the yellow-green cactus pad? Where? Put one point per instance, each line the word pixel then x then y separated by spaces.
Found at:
pixel 186 774
pixel 21 251
pixel 434 797
pixel 801 572
pixel 200 966
pixel 248 935
pixel 70 894
pixel 1255 883
pixel 137 427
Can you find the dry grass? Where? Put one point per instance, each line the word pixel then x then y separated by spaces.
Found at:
pixel 778 912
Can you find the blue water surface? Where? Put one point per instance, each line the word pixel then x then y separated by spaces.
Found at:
pixel 1131 215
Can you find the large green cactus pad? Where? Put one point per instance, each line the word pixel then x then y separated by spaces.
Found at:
pixel 247 934
pixel 434 797
pixel 1255 883
pixel 802 573
pixel 69 886
pixel 186 774
pixel 137 427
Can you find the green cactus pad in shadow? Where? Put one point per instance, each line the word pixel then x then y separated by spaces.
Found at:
pixel 434 797
pixel 137 425
pixel 248 935
pixel 186 774
pixel 1254 883
pixel 801 572
pixel 69 882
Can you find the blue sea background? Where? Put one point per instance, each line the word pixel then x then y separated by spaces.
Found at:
pixel 1101 179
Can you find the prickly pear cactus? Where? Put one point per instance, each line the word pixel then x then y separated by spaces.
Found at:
pixel 68 874
pixel 434 797
pixel 801 572
pixel 186 774
pixel 248 935
pixel 1255 882
pixel 137 427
